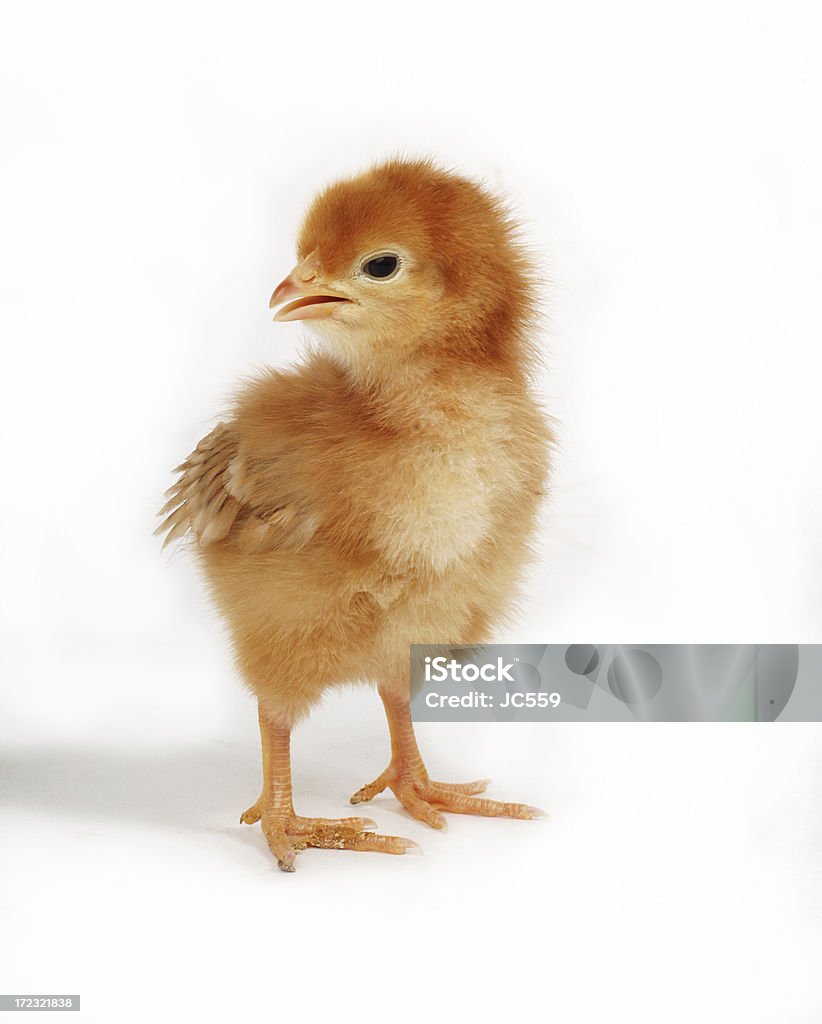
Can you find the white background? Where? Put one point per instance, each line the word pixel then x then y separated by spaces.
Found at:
pixel 156 161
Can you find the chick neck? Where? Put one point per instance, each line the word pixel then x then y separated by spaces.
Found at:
pixel 417 394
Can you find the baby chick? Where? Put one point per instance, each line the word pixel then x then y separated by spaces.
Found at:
pixel 383 491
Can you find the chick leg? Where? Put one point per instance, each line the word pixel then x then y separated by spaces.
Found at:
pixel 408 779
pixel 288 833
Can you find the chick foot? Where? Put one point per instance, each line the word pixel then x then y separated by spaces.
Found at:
pixel 424 798
pixel 288 835
pixel 286 832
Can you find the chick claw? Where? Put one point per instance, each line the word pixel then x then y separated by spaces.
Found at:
pixel 424 798
pixel 291 834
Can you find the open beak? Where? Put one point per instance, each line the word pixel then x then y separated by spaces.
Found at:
pixel 304 296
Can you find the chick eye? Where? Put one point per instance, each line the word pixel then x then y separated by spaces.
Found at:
pixel 381 267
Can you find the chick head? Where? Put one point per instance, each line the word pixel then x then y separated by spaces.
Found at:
pixel 409 261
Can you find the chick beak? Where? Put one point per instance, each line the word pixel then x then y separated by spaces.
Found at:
pixel 304 295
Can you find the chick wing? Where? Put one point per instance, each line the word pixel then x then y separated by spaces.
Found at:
pixel 227 494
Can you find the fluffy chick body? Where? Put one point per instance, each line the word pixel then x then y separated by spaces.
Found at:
pixel 368 519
